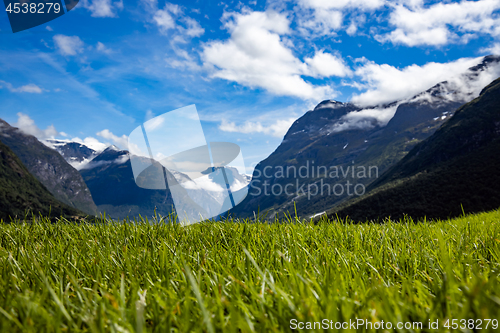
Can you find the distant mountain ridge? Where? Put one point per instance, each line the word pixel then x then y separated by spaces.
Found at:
pixel 110 178
pixel 337 134
pixel 76 154
pixel 333 135
pixel 454 171
pixel 50 168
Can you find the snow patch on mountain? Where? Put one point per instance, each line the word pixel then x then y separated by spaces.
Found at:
pixel 77 154
pixel 89 143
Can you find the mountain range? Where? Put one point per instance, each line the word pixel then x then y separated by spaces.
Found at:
pixel 111 181
pixel 110 178
pixel 336 145
pixel 76 154
pixel 454 171
pixel 339 158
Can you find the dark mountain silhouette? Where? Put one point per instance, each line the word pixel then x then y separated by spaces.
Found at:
pixel 452 172
pixel 110 178
pixel 21 193
pixel 343 137
pixel 50 168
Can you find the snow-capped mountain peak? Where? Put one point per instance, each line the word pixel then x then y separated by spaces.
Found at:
pixel 75 153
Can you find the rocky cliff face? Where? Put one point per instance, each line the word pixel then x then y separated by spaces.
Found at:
pixel 22 194
pixel 50 168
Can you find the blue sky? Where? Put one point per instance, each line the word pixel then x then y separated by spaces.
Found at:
pixel 251 68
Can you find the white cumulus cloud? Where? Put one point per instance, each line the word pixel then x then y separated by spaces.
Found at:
pixel 28 88
pixel 172 17
pixel 326 65
pixel 28 126
pixel 320 22
pixel 257 56
pixel 68 45
pixel 493 49
pixel 103 8
pixel 442 23
pixel 120 141
pixel 102 48
pixel 385 83
pixel 278 129
pixel 164 17
pixel 341 4
pixel 318 18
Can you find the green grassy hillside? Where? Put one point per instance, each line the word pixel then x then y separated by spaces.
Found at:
pixel 242 277
pixel 21 193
